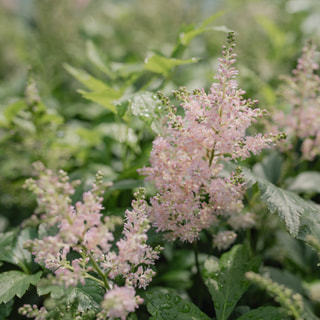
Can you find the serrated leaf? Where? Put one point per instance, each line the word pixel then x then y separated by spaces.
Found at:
pixel 167 305
pixel 289 206
pixel 263 313
pixel 86 297
pixel 45 286
pixel 163 65
pixel 16 283
pixel 225 278
pixel 307 182
pixel 12 251
pixel 146 106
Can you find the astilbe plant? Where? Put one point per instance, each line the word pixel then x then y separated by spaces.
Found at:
pixel 82 230
pixel 188 158
pixel 301 93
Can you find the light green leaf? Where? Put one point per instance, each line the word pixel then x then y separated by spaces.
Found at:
pixel 166 304
pixel 306 182
pixel 13 109
pixel 263 313
pixel 225 278
pixel 95 58
pixel 85 78
pixel 289 206
pixel 16 283
pixel 105 97
pixel 163 65
pixel 187 36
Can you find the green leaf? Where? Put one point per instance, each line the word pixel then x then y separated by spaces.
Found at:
pixel 191 32
pixel 12 251
pixel 163 65
pixel 105 97
pixel 13 109
pixel 270 167
pixel 85 78
pixel 166 304
pixel 225 278
pixel 5 309
pixel 16 283
pixel 86 297
pixel 289 206
pixel 305 182
pixel 95 58
pixel 263 313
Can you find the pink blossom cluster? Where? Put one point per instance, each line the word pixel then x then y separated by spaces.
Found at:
pixel 301 93
pixel 82 229
pixel 187 158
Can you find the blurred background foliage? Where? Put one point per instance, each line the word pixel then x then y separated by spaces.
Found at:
pixel 47 47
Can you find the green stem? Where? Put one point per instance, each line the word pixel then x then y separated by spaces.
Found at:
pixel 99 271
pixel 196 256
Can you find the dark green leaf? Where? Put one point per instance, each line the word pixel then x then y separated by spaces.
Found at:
pixel 263 313
pixel 16 283
pixel 165 304
pixel 5 309
pixel 225 278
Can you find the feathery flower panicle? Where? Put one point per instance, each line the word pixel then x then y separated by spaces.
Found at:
pixel 186 159
pixel 82 229
pixel 301 92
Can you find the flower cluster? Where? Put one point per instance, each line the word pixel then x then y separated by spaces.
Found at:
pixel 82 230
pixel 188 157
pixel 301 93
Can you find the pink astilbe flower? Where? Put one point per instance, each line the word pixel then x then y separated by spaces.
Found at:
pixel 118 303
pixel 186 159
pixel 81 229
pixel 301 93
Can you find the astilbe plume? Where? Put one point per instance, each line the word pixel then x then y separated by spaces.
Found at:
pixel 301 93
pixel 187 157
pixel 82 229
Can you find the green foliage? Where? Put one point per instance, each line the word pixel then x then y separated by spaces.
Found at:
pixel 226 280
pixel 296 212
pixel 265 313
pixel 166 304
pixel 16 283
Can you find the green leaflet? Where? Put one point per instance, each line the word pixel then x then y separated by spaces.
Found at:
pixel 299 215
pixel 12 251
pixel 225 278
pixel 263 313
pixel 16 283
pixel 165 304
